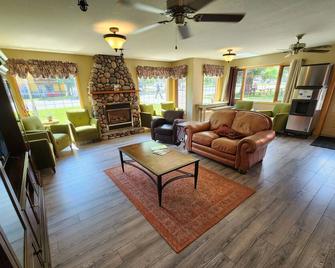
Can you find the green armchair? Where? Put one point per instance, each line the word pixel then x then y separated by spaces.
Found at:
pixel 83 127
pixel 243 105
pixel 59 135
pixel 148 112
pixel 279 116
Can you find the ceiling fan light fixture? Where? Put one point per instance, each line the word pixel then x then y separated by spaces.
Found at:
pixel 228 57
pixel 116 41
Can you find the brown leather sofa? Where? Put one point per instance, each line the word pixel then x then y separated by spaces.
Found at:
pixel 241 154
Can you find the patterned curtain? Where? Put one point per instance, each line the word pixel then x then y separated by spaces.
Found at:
pixel 40 68
pixel 213 70
pixel 162 72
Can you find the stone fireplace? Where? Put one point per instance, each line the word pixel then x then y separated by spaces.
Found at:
pixel 113 96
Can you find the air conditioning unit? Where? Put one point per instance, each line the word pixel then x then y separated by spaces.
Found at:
pixel 3 59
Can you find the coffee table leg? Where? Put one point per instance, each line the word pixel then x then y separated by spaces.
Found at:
pixel 121 159
pixel 196 170
pixel 159 190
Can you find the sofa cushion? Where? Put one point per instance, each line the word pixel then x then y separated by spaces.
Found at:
pixel 225 131
pixel 222 117
pixel 204 137
pixel 249 123
pixel 225 145
pixel 165 129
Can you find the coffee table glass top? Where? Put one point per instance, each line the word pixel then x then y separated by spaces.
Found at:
pixel 157 164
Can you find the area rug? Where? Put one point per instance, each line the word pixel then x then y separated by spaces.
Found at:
pixel 324 142
pixel 186 213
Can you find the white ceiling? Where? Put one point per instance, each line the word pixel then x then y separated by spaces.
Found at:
pixel 59 26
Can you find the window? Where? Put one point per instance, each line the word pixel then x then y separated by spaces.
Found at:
pixel 181 94
pixel 209 89
pixel 264 84
pixel 239 84
pixel 283 82
pixel 152 90
pixel 46 97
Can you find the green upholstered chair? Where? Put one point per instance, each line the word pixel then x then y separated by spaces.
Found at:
pixel 83 127
pixel 40 143
pixel 279 116
pixel 168 106
pixel 243 105
pixel 59 134
pixel 148 112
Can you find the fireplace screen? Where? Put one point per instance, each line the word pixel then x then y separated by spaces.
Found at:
pixel 118 115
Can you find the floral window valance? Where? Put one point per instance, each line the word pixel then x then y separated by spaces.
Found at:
pixel 162 72
pixel 213 70
pixel 40 68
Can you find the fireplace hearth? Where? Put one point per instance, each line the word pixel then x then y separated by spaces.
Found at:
pixel 118 115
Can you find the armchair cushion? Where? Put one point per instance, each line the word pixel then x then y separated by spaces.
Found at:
pixel 147 108
pixel 32 123
pixel 165 129
pixel 62 140
pixel 79 117
pixel 244 105
pixel 225 145
pixel 205 137
pixel 86 129
pixel 248 124
pixel 281 108
pixel 60 128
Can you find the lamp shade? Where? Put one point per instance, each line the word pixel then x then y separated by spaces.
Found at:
pixel 116 41
pixel 229 56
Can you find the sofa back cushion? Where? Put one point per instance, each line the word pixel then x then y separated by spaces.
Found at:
pixel 222 117
pixel 281 108
pixel 249 123
pixel 78 118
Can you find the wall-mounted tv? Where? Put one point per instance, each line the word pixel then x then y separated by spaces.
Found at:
pixel 4 154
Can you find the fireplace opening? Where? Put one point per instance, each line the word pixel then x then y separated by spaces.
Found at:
pixel 118 115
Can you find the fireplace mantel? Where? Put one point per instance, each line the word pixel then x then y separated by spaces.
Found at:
pixel 112 92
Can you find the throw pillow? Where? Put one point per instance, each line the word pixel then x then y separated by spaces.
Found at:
pixel 225 131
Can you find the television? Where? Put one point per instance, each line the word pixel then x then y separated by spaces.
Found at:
pixel 4 154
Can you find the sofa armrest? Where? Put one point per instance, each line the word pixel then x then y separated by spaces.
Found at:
pixel 279 122
pixel 251 143
pixel 60 128
pixel 266 112
pixel 194 128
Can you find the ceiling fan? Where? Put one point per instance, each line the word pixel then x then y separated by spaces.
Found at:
pixel 298 47
pixel 180 11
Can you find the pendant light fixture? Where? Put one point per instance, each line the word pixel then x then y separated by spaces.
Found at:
pixel 228 57
pixel 116 41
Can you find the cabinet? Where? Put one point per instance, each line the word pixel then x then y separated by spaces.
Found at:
pixel 23 226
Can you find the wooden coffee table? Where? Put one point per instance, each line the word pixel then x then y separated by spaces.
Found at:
pixel 159 165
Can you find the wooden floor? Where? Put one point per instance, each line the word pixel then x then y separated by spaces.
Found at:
pixel 289 222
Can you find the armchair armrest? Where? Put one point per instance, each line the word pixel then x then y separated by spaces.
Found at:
pixel 94 122
pixel 156 123
pixel 146 119
pixel 60 128
pixel 266 112
pixel 251 143
pixel 280 121
pixel 38 134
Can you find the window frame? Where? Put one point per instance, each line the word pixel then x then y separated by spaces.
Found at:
pixel 166 89
pixel 176 85
pixel 203 87
pixel 278 82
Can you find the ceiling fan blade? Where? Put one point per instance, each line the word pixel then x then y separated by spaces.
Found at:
pixel 316 50
pixel 142 7
pixel 198 4
pixel 318 47
pixel 184 31
pixel 219 17
pixel 146 28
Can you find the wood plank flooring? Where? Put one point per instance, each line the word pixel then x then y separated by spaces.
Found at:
pixel 288 222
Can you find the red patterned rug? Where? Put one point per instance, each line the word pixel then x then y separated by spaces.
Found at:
pixel 186 213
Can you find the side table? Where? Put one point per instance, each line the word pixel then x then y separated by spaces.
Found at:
pixel 181 134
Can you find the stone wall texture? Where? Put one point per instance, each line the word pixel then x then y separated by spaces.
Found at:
pixel 110 74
